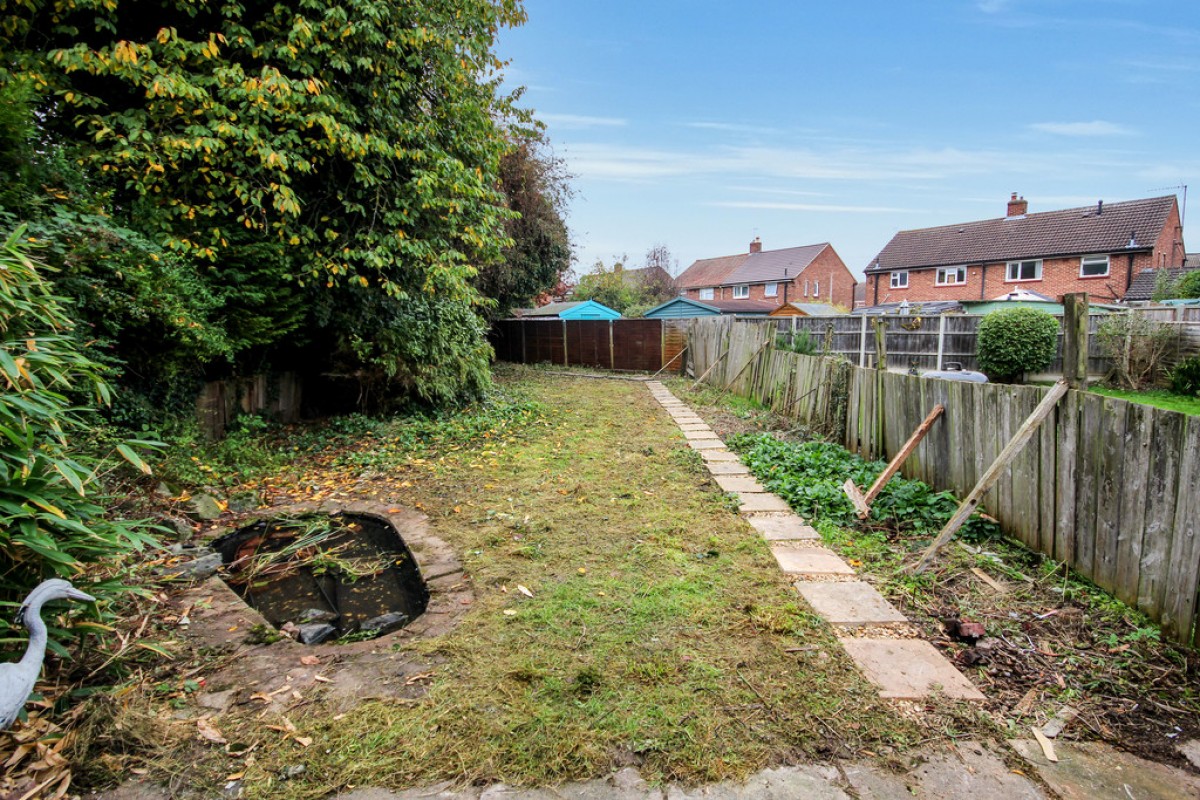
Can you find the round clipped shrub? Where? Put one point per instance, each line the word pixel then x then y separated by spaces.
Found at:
pixel 1014 341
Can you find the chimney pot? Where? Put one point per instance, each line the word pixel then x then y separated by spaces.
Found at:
pixel 1017 206
pixel 756 245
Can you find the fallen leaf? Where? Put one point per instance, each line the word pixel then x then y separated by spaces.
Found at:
pixel 508 612
pixel 582 571
pixel 310 661
pixel 1047 746
pixel 524 591
pixel 235 776
pixel 209 732
pixel 322 679
pixel 303 740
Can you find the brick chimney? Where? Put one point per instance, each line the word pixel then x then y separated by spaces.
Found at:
pixel 1017 206
pixel 756 245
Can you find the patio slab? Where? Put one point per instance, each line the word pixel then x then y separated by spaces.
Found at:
pixel 810 561
pixel 909 669
pixel 738 483
pixel 706 444
pixel 718 456
pixel 782 527
pixel 699 435
pixel 850 603
pixel 761 501
pixel 728 468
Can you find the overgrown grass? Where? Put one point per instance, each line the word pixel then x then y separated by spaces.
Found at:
pixel 660 631
pixel 1159 398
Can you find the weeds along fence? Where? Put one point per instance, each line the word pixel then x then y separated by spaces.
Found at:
pixel 930 342
pixel 1109 487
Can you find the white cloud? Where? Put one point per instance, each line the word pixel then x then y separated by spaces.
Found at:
pixel 1093 128
pixel 580 121
pixel 733 127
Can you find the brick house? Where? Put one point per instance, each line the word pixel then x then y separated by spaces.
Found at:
pixel 813 273
pixel 1096 249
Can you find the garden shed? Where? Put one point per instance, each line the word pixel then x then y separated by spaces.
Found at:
pixel 576 310
pixel 682 308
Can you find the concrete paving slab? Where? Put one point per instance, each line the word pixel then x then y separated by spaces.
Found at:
pixel 810 561
pixel 685 416
pixel 738 483
pixel 783 783
pixel 1096 771
pixel 870 782
pixel 699 435
pixel 706 444
pixel 728 468
pixel 761 501
pixel 968 769
pixel 850 603
pixel 909 669
pixel 718 456
pixel 782 527
pixel 694 426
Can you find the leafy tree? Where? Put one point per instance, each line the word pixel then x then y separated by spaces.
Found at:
pixel 292 153
pixel 537 188
pixel 50 520
pixel 1188 286
pixel 608 286
pixel 1013 341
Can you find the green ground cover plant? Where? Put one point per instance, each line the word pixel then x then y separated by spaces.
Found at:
pixel 1159 398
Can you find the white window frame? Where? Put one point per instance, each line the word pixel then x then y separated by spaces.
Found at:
pixel 951 276
pixel 770 290
pixel 706 294
pixel 1009 270
pixel 741 292
pixel 899 279
pixel 817 288
pixel 1083 262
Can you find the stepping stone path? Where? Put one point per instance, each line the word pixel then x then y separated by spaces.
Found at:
pixel 903 667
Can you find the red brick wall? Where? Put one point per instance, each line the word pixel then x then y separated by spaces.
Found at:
pixel 827 272
pixel 1059 276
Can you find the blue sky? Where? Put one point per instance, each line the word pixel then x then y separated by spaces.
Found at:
pixel 700 124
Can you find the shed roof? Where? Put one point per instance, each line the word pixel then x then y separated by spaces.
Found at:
pixel 742 306
pixel 1073 231
pixel 806 310
pixel 573 309
pixel 693 308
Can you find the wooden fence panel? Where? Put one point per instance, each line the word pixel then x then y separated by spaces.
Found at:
pixel 1107 486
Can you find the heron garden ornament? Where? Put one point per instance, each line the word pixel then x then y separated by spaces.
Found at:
pixel 17 679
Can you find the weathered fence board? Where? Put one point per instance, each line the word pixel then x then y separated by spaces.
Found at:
pixel 640 345
pixel 1112 488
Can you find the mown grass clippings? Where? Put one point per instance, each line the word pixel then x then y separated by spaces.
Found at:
pixel 656 629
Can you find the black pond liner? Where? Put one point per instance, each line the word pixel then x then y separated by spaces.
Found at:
pixel 371 605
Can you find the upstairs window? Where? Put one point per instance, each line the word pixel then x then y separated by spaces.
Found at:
pixel 1093 266
pixel 951 276
pixel 1024 270
pixel 899 280
pixel 706 294
pixel 740 292
pixel 771 290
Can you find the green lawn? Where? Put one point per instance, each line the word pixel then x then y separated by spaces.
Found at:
pixel 1159 398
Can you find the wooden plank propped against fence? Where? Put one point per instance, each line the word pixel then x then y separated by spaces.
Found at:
pixel 669 363
pixel 711 367
pixel 1010 451
pixel 746 366
pixel 862 502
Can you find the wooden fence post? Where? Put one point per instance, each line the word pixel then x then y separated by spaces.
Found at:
pixel 862 343
pixel 1075 340
pixel 880 344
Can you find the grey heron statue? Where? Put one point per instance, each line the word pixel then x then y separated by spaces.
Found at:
pixel 16 680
